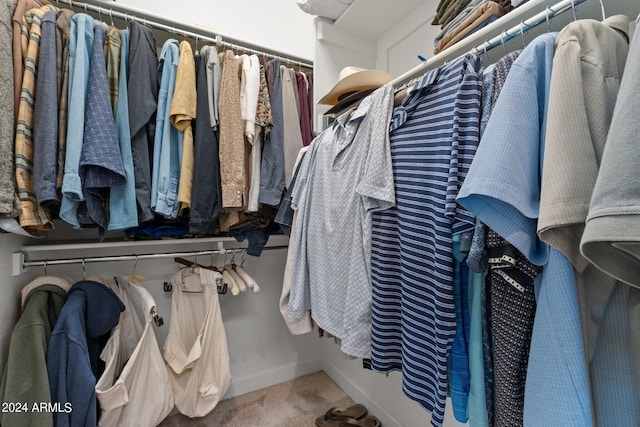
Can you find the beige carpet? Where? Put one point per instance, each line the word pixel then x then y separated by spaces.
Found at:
pixel 294 403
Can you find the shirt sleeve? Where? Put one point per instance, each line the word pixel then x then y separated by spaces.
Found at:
pixel 466 135
pixel 570 167
pixel 502 186
pixel 611 236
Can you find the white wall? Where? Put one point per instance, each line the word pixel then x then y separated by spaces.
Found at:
pixel 11 286
pixel 276 24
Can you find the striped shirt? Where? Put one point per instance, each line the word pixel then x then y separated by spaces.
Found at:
pixel 434 135
pixel 31 214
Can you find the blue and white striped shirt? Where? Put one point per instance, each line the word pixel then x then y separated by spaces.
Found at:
pixel 434 136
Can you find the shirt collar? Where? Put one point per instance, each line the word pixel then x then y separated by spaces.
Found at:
pixel 351 116
pixel 620 23
pixel 401 113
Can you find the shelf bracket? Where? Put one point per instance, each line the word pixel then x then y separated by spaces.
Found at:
pixel 17 263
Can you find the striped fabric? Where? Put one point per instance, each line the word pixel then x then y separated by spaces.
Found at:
pixel 32 214
pixel 434 135
pixel 63 33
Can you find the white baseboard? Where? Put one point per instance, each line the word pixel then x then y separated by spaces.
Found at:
pixel 358 394
pixel 265 379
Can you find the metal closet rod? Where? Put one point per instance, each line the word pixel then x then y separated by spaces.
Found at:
pixel 187 30
pixel 535 20
pixel 48 262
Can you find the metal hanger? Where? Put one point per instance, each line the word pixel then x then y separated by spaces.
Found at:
pixel 573 10
pixel 504 47
pixel 604 15
pixel 524 42
pixel 547 19
pixel 84 271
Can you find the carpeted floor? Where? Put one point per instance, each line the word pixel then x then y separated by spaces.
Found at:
pixel 294 403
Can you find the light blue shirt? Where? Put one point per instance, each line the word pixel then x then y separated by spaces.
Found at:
pixel 342 180
pixel 503 185
pixel 167 145
pixel 80 50
pixel 122 200
pixel 503 190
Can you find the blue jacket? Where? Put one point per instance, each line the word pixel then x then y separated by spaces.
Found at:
pixel 73 360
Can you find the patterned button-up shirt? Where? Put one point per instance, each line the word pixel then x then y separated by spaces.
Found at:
pixel 342 180
pixel 32 214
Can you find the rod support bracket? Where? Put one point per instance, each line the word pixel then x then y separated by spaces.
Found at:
pixel 17 263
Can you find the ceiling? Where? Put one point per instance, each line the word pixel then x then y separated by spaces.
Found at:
pixel 369 19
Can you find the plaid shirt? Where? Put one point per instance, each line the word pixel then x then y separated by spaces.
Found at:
pixel 32 214
pixel 63 32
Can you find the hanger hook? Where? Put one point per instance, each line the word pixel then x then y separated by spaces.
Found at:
pixel 522 29
pixel 486 42
pixel 71 4
pixel 604 15
pixel 84 271
pixel 111 16
pixel 244 255
pixel 100 13
pixel 503 42
pixel 196 43
pixel 573 9
pixel 85 8
pixel 547 18
pixel 44 267
pixel 135 264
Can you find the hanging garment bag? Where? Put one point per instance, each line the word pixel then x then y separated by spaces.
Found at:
pixel 134 366
pixel 196 347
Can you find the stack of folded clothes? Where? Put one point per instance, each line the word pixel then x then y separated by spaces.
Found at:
pixel 474 15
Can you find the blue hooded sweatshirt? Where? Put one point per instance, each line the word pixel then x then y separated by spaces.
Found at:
pixel 73 360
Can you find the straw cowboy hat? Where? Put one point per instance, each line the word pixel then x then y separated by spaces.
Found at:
pixel 354 79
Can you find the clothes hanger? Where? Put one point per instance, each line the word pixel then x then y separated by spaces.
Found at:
pixel 251 283
pixel 222 289
pixel 228 280
pixel 547 19
pixel 190 271
pixel 231 268
pixel 504 47
pixel 604 15
pixel 111 16
pixel 524 42
pixel 84 271
pixel 573 10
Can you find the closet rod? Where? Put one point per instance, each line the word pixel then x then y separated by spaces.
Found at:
pixel 535 20
pixel 158 22
pixel 47 262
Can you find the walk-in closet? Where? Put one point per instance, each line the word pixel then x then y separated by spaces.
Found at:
pixel 320 213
